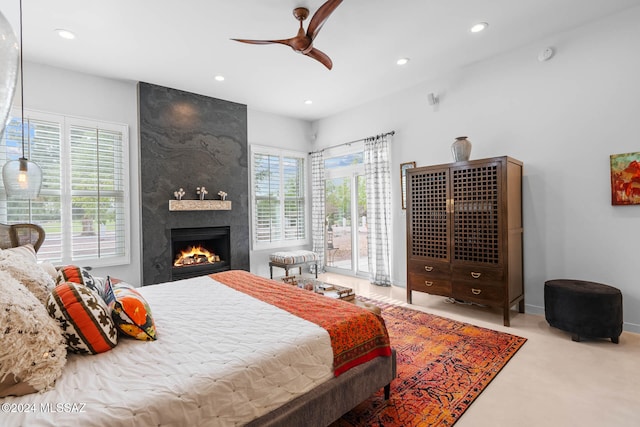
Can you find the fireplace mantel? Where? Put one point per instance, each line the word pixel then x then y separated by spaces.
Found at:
pixel 199 205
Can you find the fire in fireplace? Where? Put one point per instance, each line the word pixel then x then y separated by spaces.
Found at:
pixel 195 255
pixel 199 251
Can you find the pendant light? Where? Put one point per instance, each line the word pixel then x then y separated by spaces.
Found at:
pixel 22 178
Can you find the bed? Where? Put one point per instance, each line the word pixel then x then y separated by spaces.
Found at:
pixel 232 349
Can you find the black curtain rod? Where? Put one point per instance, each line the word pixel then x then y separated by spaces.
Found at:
pixel 393 132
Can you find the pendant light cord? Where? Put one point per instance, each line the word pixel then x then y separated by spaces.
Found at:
pixel 21 83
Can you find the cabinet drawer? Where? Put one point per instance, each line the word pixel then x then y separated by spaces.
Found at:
pixel 432 269
pixel 430 285
pixel 478 292
pixel 480 274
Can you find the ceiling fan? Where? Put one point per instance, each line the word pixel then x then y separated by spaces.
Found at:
pixel 303 42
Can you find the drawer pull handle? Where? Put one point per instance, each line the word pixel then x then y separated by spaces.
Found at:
pixel 428 268
pixel 476 291
pixel 475 275
pixel 428 283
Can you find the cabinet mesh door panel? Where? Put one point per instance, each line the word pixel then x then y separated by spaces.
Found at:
pixel 476 215
pixel 428 206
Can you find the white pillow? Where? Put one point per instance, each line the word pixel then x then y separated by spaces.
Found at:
pixel 27 251
pixel 33 350
pixel 49 268
pixel 25 270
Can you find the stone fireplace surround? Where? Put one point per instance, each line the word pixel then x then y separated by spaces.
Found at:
pixel 189 140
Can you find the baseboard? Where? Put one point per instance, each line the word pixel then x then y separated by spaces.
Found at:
pixel 626 326
pixel 533 309
pixel 631 327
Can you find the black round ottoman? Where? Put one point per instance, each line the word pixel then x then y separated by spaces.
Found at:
pixel 586 309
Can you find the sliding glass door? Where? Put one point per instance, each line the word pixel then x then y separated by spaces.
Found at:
pixel 346 214
pixel 361 206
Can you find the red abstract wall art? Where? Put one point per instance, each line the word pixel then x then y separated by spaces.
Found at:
pixel 625 179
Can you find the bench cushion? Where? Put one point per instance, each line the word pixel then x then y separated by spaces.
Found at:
pixel 293 257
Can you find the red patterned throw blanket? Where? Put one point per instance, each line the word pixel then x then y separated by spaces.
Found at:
pixel 356 334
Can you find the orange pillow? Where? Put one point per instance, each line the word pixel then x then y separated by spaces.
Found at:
pixel 132 314
pixel 84 317
pixel 75 274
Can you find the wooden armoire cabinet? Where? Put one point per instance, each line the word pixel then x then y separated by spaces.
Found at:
pixel 464 232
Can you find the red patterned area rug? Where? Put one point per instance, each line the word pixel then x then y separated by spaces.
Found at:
pixel 443 366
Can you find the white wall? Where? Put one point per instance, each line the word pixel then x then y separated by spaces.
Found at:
pixel 54 90
pixel 562 118
pixel 271 130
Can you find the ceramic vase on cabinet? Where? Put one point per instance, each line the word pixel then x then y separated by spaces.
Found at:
pixel 461 149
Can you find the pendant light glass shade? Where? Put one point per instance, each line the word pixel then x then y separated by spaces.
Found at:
pixel 22 178
pixel 9 55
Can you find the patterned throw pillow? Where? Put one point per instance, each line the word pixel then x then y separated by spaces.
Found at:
pixel 108 295
pixel 131 313
pixel 84 317
pixel 75 274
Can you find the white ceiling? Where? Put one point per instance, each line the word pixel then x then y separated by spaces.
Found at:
pixel 184 44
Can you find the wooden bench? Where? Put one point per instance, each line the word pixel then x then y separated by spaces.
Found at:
pixel 292 259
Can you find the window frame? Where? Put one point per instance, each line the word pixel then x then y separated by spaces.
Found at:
pixel 281 243
pixel 66 123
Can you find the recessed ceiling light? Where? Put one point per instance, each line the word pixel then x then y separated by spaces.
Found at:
pixel 480 26
pixel 402 61
pixel 219 78
pixel 65 34
pixel 308 102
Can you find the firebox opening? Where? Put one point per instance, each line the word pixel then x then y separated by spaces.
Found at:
pixel 199 251
pixel 195 255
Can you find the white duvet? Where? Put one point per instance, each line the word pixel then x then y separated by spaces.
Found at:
pixel 222 358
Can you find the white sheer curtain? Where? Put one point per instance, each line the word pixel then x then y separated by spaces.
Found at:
pixel 377 170
pixel 317 206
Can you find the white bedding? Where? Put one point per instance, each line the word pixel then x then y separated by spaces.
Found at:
pixel 222 358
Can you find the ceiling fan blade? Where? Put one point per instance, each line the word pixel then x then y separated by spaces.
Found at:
pixel 321 57
pixel 285 42
pixel 320 17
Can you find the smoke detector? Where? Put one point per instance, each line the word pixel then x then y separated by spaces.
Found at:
pixel 546 54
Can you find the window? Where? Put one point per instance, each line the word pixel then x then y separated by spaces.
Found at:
pixel 278 196
pixel 83 205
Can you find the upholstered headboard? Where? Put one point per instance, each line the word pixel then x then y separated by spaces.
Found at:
pixel 21 234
